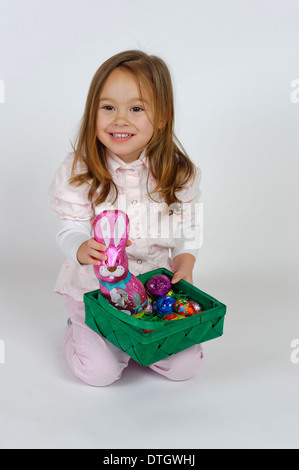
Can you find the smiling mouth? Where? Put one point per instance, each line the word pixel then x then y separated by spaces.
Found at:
pixel 120 137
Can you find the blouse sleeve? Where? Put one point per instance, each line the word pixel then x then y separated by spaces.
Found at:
pixel 188 232
pixel 68 201
pixel 71 235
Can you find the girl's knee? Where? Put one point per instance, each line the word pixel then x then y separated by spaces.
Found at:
pixel 181 366
pixel 101 374
pixel 98 364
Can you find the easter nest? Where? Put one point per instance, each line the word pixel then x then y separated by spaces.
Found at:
pixel 149 339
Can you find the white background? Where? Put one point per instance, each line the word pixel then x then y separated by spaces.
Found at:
pixel 233 62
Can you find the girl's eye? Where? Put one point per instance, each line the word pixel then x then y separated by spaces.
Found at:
pixel 108 108
pixel 137 109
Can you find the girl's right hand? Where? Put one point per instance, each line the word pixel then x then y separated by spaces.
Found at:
pixel 91 252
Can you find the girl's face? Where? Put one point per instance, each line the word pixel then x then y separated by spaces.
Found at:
pixel 124 120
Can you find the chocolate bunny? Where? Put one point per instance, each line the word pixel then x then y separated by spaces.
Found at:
pixel 117 284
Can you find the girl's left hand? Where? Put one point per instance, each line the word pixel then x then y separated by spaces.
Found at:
pixel 183 267
pixel 178 275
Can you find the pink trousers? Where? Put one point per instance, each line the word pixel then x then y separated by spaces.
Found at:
pixel 98 362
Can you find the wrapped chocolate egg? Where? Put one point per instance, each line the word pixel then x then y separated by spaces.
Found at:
pixel 139 314
pixel 170 293
pixel 158 285
pixel 173 316
pixel 164 305
pixel 197 307
pixel 149 309
pixel 184 307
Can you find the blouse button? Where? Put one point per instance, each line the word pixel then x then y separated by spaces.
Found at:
pixel 139 261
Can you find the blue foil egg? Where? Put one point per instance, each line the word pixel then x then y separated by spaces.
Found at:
pixel 164 305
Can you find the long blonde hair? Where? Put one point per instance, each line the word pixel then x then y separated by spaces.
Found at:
pixel 168 162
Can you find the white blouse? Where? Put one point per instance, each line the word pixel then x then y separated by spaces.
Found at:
pixel 158 232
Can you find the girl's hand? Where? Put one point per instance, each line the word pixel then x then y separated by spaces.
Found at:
pixel 92 252
pixel 183 266
pixel 178 275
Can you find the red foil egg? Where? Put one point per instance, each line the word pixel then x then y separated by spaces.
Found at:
pixel 173 316
pixel 184 307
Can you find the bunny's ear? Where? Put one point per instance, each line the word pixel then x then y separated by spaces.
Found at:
pixel 105 227
pixel 119 229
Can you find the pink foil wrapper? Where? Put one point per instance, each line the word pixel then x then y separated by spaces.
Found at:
pixel 117 284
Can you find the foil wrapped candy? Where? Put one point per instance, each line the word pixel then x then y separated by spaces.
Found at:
pixel 117 284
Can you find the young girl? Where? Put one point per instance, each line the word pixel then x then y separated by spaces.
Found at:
pixel 126 157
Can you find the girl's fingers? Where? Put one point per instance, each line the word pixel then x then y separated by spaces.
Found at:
pixel 176 278
pixel 99 246
pixel 97 254
pixel 178 275
pixel 93 261
pixel 96 245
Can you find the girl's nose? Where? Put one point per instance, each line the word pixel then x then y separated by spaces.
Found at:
pixel 121 119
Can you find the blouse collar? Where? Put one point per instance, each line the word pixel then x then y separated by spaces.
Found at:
pixel 116 163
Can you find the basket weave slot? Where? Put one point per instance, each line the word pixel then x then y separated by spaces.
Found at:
pixel 176 342
pixel 148 356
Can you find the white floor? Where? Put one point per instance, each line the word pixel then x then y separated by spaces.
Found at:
pixel 245 397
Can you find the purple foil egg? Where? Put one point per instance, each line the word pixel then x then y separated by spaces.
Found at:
pixel 158 285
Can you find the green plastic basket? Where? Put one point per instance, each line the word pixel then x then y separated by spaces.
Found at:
pixel 166 337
